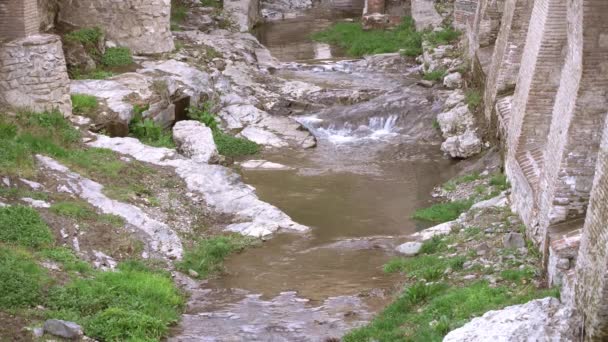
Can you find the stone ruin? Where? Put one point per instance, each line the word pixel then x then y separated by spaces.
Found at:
pixel 33 72
pixel 544 67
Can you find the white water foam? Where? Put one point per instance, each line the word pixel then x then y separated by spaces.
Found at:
pixel 377 128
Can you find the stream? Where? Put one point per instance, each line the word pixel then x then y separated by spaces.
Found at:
pixel 376 161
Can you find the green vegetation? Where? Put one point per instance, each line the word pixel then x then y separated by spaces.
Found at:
pixel 427 312
pixel 227 145
pixel 473 98
pixel 148 131
pixel 500 181
pixel 358 42
pixel 452 183
pixel 93 75
pixel 84 104
pixel 133 303
pixel 207 255
pixel 117 57
pixel 443 212
pixel 212 3
pixel 86 36
pixel 21 279
pixel 67 259
pixel 72 209
pixel 20 225
pixel 442 37
pixel 435 75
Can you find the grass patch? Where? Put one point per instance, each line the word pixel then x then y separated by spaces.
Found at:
pixel 500 181
pixel 148 131
pixel 84 104
pixel 67 259
pixel 117 57
pixel 20 225
pixel 207 255
pixel 443 212
pixel 519 275
pixel 473 98
pixel 74 210
pixel 357 42
pixel 87 36
pixel 21 279
pixel 428 312
pixel 227 145
pixel 427 267
pixel 442 37
pixel 133 303
pixel 435 75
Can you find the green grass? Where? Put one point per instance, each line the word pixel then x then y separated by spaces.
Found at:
pixel 73 209
pixel 85 36
pixel 134 303
pixel 204 115
pixel 357 42
pixel 178 12
pixel 426 313
pixel 117 57
pixel 148 131
pixel 435 75
pixel 20 225
pixel 427 267
pixel 442 37
pixel 473 98
pixel 84 104
pixel 67 259
pixel 207 255
pixel 443 212
pixel 21 279
pixel 97 74
pixel 500 181
pixel 230 146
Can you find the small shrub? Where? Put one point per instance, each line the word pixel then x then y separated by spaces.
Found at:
pixel 443 212
pixel 473 98
pixel 23 226
pixel 435 75
pixel 84 104
pixel 21 279
pixel 208 254
pixel 117 57
pixel 230 146
pixel 85 36
pixel 204 115
pixel 148 131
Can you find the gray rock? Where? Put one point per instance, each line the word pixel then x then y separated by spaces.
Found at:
pixel 453 80
pixel 426 83
pixel 482 249
pixel 63 329
pixel 425 15
pixel 411 248
pixel 498 201
pixel 455 121
pixel 539 320
pixel 195 140
pixel 462 146
pixel 513 240
pixel 193 273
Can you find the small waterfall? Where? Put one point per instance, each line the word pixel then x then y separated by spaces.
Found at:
pixel 377 127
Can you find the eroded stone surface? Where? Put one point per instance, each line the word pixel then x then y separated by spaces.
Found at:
pixel 195 141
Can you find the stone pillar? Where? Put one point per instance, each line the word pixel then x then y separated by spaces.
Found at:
pixel 591 292
pixel 18 18
pixel 580 110
pixel 537 85
pixel 507 54
pixel 33 74
pixel 141 25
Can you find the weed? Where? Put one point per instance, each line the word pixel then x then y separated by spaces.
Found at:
pixel 117 57
pixel 23 226
pixel 204 115
pixel 358 42
pixel 230 146
pixel 443 212
pixel 129 304
pixel 67 259
pixel 434 245
pixel 86 36
pixel 148 131
pixel 178 12
pixel 473 98
pixel 84 104
pixel 435 75
pixel 442 37
pixel 208 254
pixel 436 125
pixel 21 279
pixel 500 181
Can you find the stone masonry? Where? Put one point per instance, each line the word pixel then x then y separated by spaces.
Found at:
pixel 33 74
pixel 141 25
pixel 18 18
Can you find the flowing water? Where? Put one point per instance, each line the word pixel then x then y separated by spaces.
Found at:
pixel 375 163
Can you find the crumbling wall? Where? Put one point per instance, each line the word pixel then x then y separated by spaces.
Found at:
pixel 33 74
pixel 141 25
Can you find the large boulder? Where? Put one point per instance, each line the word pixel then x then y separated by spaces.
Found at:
pixel 462 146
pixel 539 320
pixel 195 141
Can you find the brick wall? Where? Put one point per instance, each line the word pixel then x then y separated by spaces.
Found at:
pixel 18 18
pixel 464 13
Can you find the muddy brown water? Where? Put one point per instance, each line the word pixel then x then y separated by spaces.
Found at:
pixel 357 191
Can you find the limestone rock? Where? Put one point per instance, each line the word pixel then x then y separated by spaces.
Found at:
pixel 455 121
pixel 462 146
pixel 456 98
pixel 264 165
pixel 262 137
pixel 513 240
pixel 77 57
pixel 195 140
pixel 538 320
pixel 498 201
pixel 425 15
pixel 429 233
pixel 411 248
pixel 65 329
pixel 453 80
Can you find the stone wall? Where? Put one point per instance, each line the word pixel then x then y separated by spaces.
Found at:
pixel 18 19
pixel 464 13
pixel 141 25
pixel 33 74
